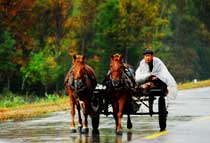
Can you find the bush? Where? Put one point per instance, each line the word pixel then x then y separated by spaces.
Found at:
pixel 8 99
pixel 51 97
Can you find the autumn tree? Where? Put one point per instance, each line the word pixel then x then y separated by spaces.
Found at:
pixel 126 26
pixel 17 18
pixel 82 30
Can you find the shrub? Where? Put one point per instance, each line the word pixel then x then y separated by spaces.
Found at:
pixel 51 97
pixel 8 99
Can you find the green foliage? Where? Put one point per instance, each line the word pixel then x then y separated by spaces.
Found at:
pixel 11 100
pixel 51 97
pixel 7 53
pixel 33 71
pixel 8 99
pixel 189 42
pixel 201 11
pixel 106 26
pixel 42 68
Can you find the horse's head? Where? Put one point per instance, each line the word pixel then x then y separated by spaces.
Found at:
pixel 79 71
pixel 116 66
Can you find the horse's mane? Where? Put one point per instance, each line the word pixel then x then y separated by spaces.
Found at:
pixel 90 70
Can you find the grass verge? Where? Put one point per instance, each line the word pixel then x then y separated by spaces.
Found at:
pixel 190 85
pixel 37 109
pixel 33 110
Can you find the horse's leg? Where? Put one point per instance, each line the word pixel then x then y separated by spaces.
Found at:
pixel 129 108
pixel 115 111
pixel 79 117
pixel 85 113
pixel 120 113
pixel 72 110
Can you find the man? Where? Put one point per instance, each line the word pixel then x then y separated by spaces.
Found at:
pixel 153 72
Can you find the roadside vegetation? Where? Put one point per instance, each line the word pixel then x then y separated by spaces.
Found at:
pixel 193 84
pixel 17 107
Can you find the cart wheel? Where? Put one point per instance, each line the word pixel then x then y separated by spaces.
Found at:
pixel 95 122
pixel 162 113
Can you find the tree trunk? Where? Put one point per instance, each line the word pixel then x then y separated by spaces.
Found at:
pixel 8 82
pixel 83 46
pixel 45 87
pixel 126 54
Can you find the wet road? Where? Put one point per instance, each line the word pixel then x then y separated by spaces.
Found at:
pixel 188 121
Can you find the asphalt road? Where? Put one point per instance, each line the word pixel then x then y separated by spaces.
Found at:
pixel 188 121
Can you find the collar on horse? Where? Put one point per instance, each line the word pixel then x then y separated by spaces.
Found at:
pixel 126 80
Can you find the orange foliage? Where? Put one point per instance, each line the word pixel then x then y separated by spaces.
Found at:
pixel 96 58
pixel 69 22
pixel 18 19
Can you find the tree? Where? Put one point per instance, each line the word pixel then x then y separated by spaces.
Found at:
pixel 7 54
pixel 17 17
pixel 128 25
pixel 82 30
pixel 189 40
pixel 42 68
pixel 51 16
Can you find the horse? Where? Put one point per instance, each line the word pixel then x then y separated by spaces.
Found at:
pixel 80 81
pixel 120 94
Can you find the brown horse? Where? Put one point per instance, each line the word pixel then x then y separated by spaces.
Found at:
pixel 119 91
pixel 80 82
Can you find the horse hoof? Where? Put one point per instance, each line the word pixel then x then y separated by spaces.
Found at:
pixel 119 133
pixel 73 130
pixel 85 130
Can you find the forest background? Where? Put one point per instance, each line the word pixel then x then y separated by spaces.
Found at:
pixel 39 37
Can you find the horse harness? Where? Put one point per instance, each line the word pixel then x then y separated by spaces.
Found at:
pixel 125 82
pixel 79 86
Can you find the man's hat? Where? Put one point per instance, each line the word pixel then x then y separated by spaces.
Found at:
pixel 147 51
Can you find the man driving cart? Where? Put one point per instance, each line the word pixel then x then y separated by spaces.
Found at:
pixel 152 73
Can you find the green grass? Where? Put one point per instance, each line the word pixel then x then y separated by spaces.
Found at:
pixel 11 100
pixel 19 107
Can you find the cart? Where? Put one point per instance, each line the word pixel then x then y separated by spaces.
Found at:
pixel 101 104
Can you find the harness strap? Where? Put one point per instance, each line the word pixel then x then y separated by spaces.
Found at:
pixel 126 78
pixel 129 78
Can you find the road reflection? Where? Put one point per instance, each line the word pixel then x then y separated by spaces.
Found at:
pixel 97 138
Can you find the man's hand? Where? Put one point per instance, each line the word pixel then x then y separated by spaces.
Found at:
pixel 147 85
pixel 154 77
